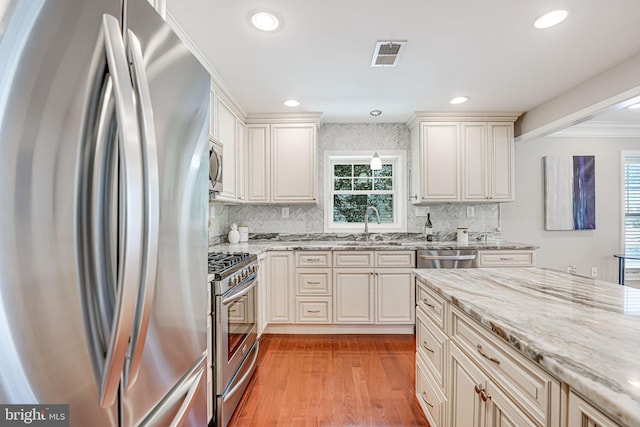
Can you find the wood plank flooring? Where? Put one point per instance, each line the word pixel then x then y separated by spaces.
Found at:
pixel 332 380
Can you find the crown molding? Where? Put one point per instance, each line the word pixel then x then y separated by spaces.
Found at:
pixel 466 116
pixel 279 118
pixel 601 129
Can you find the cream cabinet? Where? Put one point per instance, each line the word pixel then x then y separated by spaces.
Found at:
pixel 487 161
pixel 466 158
pixel 435 151
pixel 374 287
pixel 281 163
pixel 314 287
pixel 583 414
pixel 280 287
pixel 507 258
pixel 472 377
pixel 225 132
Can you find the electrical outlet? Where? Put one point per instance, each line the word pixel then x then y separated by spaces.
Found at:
pixel 594 272
pixel 470 211
pixel 285 212
pixel 572 269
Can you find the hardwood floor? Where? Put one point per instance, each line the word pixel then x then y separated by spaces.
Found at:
pixel 332 380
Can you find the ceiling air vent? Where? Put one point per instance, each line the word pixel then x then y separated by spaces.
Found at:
pixel 386 53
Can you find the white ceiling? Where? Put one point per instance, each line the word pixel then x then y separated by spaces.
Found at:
pixel 485 49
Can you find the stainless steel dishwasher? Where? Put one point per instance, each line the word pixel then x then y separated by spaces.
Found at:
pixel 447 258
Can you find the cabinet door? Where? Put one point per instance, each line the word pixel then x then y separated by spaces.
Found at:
pixel 502 158
pixel 226 127
pixel 293 159
pixel 439 158
pixel 466 405
pixel 241 160
pixel 353 295
pixel 395 296
pixel 475 158
pixel 258 163
pixel 280 289
pixel 501 410
pixel 582 414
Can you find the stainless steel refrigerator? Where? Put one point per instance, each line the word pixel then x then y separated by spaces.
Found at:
pixel 104 117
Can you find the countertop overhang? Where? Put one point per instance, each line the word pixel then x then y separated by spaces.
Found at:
pixel 585 332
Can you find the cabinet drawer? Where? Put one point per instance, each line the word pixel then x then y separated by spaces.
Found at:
pixel 313 259
pixel 506 259
pixel 313 310
pixel 353 259
pixel 529 385
pixel 431 400
pixel 431 344
pixel 396 259
pixel 313 281
pixel 432 304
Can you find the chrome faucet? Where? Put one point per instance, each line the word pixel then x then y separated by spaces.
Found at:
pixel 366 219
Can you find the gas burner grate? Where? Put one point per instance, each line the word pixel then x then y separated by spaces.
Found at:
pixel 220 262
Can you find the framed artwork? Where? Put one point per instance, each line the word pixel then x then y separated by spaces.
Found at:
pixel 569 192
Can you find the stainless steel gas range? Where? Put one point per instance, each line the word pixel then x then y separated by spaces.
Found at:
pixel 234 336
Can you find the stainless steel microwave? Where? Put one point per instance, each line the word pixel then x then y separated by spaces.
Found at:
pixel 215 167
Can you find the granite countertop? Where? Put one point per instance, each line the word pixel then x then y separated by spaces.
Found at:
pixel 583 331
pixel 258 247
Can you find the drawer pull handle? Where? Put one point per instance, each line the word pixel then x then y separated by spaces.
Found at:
pixel 509 258
pixel 313 311
pixel 484 395
pixel 313 259
pixel 427 303
pixel 424 397
pixel 313 283
pixel 483 354
pixel 426 347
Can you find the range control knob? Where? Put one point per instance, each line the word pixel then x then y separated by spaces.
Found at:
pixel 245 273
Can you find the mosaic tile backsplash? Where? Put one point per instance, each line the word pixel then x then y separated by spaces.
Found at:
pixel 310 219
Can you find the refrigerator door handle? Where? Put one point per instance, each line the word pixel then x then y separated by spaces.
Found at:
pixel 130 247
pixel 183 393
pixel 151 209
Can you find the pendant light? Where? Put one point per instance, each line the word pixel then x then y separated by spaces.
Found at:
pixel 376 162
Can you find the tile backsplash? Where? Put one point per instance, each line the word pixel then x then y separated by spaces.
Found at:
pixel 310 219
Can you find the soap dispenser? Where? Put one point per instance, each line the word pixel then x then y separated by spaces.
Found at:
pixel 234 234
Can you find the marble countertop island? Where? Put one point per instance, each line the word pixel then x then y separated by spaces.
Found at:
pixel 583 331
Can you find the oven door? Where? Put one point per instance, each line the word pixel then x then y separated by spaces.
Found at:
pixel 236 329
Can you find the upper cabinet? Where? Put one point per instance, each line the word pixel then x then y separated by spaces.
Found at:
pixel 462 159
pixel 487 153
pixel 281 162
pixel 228 132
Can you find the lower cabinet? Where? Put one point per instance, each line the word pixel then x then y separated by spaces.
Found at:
pixel 472 379
pixel 583 414
pixel 280 293
pixel 353 295
pixel 477 400
pixel 340 288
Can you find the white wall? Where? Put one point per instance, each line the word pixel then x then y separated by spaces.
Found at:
pixel 523 220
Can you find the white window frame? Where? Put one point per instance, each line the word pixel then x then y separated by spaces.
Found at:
pixel 632 268
pixel 399 160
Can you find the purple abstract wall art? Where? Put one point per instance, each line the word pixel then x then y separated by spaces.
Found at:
pixel 570 202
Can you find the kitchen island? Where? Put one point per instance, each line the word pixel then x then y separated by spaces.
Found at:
pixel 583 332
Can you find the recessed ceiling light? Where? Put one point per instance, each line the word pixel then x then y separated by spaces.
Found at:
pixel 634 106
pixel 459 100
pixel 550 19
pixel 265 21
pixel 291 103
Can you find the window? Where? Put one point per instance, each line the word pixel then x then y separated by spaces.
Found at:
pixel 351 187
pixel 631 209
